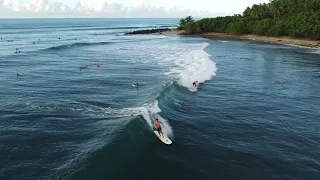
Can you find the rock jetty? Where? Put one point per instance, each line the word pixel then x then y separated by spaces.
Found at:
pixel 148 31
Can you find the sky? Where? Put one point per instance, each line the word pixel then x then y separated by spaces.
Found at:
pixel 122 8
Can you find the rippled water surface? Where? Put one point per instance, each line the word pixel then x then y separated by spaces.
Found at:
pixel 255 114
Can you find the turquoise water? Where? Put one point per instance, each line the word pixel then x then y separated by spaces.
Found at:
pixel 58 121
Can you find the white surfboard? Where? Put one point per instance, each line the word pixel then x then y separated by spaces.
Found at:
pixel 164 139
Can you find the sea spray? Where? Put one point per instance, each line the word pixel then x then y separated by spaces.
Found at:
pixel 151 114
pixel 185 63
pixel 192 64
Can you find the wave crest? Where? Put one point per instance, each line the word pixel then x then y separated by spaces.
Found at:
pixel 73 45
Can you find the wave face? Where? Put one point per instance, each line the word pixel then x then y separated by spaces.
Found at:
pixel 74 45
pixel 104 133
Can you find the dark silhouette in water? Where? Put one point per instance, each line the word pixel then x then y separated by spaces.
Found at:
pixel 19 74
pixel 17 51
pixel 277 82
pixel 195 83
pixel 87 66
pixel 83 67
pixel 136 85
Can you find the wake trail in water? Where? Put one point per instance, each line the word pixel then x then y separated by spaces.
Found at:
pixel 150 113
pixel 104 130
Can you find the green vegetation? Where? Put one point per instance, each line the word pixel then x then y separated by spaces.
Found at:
pixel 184 22
pixel 294 18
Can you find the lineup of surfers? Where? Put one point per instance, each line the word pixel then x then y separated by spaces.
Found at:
pixel 18 51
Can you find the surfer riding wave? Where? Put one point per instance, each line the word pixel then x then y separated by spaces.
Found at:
pixel 158 127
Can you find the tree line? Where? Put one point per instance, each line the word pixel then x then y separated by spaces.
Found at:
pixel 294 18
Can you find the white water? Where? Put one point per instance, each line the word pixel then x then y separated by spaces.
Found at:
pixel 316 51
pixel 150 113
pixel 184 62
pixel 191 64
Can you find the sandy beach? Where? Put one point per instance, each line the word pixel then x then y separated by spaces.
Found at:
pixel 173 31
pixel 277 40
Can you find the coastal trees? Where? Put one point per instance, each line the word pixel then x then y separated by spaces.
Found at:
pixel 185 21
pixel 295 18
pixel 192 28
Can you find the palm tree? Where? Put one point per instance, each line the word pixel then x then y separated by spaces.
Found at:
pixel 274 8
pixel 189 19
pixel 182 22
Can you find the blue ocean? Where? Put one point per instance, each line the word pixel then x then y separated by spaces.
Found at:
pixel 68 109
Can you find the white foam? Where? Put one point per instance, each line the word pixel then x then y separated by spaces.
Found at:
pixel 150 113
pixel 317 51
pixel 191 64
pixel 185 63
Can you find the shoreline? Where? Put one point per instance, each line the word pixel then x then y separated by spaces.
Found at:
pixel 276 40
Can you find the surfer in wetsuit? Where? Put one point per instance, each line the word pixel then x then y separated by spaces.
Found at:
pixel 195 83
pixel 158 127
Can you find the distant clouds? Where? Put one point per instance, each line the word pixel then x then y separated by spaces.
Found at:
pixel 103 8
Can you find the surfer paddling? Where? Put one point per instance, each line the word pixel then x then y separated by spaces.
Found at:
pixel 158 127
pixel 136 85
pixel 277 82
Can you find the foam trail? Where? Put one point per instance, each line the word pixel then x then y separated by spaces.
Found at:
pixel 317 51
pixel 80 152
pixel 150 113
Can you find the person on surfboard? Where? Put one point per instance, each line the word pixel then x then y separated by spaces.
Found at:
pixel 158 127
pixel 195 83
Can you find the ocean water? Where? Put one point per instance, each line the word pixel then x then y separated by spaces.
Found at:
pixel 58 121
